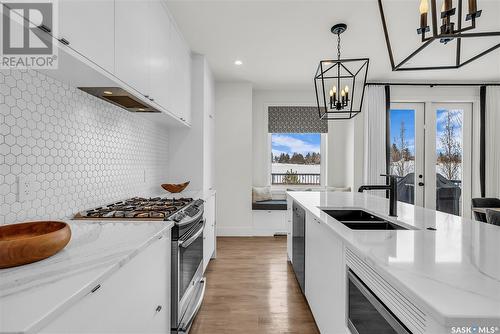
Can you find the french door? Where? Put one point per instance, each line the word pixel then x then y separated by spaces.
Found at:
pixel 430 147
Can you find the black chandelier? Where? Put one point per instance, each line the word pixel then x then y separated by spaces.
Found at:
pixel 340 84
pixel 444 33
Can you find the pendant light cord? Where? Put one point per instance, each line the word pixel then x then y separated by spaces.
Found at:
pixel 338 46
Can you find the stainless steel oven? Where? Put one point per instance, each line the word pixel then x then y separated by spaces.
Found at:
pixel 188 283
pixel 366 314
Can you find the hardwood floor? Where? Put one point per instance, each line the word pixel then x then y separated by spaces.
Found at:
pixel 251 288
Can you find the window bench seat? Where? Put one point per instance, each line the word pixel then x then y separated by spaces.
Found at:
pixel 270 205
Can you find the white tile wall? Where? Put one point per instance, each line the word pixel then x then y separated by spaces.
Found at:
pixel 74 150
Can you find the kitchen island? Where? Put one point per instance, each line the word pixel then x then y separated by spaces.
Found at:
pixel 84 276
pixel 439 275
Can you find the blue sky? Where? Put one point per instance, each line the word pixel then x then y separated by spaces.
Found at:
pixel 408 117
pixel 295 142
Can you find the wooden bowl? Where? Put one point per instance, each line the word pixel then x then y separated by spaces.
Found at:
pixel 30 242
pixel 175 188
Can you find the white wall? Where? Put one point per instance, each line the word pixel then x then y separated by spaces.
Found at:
pixel 233 154
pixel 76 151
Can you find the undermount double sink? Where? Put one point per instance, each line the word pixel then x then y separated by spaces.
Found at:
pixel 362 220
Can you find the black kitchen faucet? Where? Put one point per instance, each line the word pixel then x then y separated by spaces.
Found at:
pixel 393 192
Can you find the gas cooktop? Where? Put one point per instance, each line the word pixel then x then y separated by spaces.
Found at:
pixel 137 208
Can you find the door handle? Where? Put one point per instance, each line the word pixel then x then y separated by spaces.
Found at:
pixel 421 184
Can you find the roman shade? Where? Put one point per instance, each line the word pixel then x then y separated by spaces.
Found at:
pixel 295 120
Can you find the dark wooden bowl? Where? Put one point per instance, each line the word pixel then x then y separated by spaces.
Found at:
pixel 175 188
pixel 30 242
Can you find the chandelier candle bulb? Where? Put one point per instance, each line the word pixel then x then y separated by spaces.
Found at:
pixel 472 6
pixel 346 89
pixel 447 4
pixel 424 9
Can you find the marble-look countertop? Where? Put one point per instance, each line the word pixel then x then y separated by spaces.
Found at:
pixel 453 271
pixel 34 294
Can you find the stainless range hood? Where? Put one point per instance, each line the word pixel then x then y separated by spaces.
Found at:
pixel 121 98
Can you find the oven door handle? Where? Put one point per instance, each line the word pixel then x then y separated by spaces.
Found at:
pixel 186 243
pixel 186 326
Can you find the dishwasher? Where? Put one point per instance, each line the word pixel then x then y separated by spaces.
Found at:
pixel 298 243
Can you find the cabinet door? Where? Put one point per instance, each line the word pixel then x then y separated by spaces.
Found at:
pixel 161 65
pixel 209 232
pixel 325 277
pixel 132 43
pixel 89 26
pixel 180 81
pixel 135 299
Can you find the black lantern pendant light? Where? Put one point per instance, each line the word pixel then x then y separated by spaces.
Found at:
pixel 340 84
pixel 443 31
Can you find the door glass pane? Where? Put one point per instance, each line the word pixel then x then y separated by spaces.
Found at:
pixel 449 153
pixel 402 152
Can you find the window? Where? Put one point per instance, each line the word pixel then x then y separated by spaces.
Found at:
pixel 296 158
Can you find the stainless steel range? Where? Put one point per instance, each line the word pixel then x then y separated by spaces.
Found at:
pixel 188 283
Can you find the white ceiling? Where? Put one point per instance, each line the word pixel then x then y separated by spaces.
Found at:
pixel 281 42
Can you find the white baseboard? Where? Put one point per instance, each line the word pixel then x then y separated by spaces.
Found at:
pixel 265 232
pixel 245 232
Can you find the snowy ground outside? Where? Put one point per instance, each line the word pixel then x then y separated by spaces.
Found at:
pixel 277 168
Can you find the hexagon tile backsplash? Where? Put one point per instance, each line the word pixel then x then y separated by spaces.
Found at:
pixel 71 150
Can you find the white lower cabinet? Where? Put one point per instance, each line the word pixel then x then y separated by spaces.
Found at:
pixel 325 282
pixel 135 299
pixel 209 239
pixel 268 222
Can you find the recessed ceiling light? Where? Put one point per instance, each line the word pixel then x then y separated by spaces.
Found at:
pixel 107 92
pixel 238 62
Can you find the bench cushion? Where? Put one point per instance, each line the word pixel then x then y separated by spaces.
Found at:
pixel 274 204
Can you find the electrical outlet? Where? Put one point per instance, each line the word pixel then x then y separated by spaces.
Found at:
pixel 23 189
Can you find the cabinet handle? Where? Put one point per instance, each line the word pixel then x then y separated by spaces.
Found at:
pixel 151 99
pixel 64 41
pixel 45 28
pixel 97 287
pixel 158 308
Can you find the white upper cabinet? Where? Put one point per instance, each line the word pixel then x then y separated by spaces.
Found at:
pixel 180 81
pixel 136 41
pixel 161 63
pixel 132 43
pixel 89 27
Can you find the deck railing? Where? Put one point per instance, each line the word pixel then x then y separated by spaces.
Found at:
pixel 305 179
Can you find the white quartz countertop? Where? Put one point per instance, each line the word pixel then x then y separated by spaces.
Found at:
pixel 33 294
pixel 454 271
